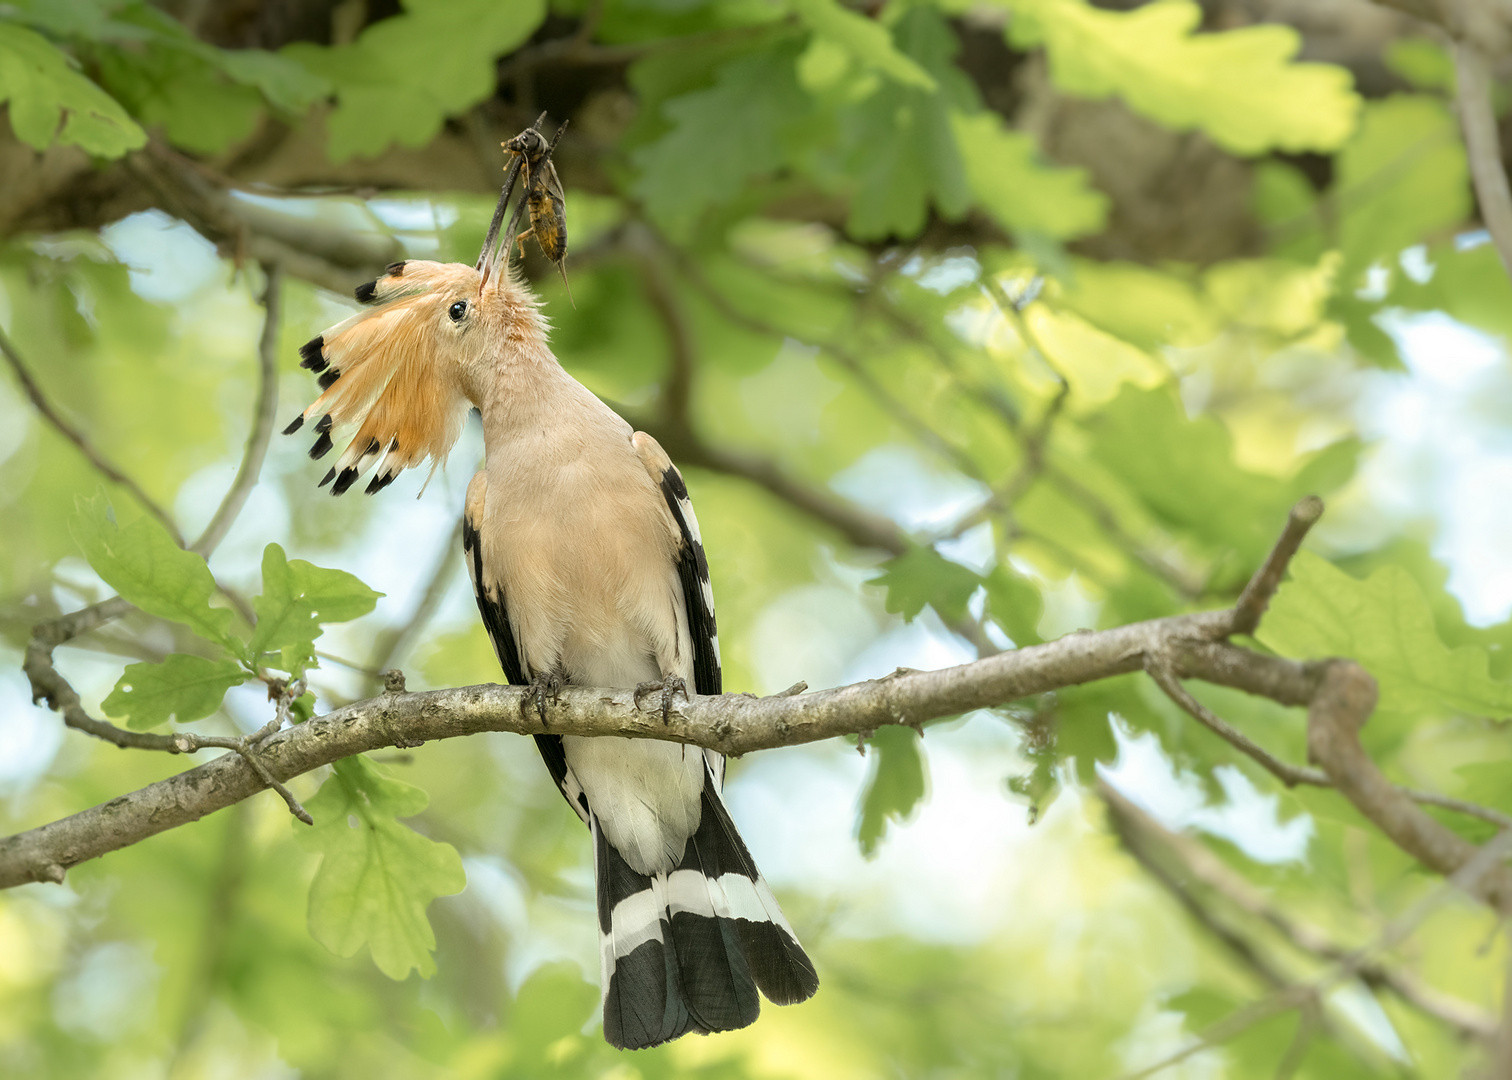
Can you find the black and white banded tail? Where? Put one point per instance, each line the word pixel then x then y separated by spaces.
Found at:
pixel 687 951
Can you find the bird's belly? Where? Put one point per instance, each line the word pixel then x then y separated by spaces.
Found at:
pixel 596 613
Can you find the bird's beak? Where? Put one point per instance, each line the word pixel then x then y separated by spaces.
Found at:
pixel 488 258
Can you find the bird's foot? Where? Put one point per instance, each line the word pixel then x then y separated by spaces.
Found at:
pixel 668 687
pixel 546 684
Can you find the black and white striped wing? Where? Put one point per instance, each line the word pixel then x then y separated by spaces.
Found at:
pixel 693 572
pixel 495 613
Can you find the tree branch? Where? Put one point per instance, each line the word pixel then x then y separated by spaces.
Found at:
pixel 333 258
pixel 262 420
pixel 733 723
pixel 1192 645
pixel 1345 696
pixel 393 642
pixel 1482 145
pixel 1197 865
pixel 74 435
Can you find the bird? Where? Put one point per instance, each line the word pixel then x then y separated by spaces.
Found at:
pixel 588 569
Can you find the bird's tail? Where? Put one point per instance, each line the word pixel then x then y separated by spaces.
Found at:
pixel 687 950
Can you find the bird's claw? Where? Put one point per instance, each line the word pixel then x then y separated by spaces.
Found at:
pixel 544 685
pixel 669 686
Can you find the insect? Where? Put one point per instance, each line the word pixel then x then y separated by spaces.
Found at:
pixel 543 197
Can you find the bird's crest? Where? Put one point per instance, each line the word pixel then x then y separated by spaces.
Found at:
pixel 383 375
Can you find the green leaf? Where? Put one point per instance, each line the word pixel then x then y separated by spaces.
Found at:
pixel 43 90
pixel 894 786
pixel 183 688
pixel 1401 179
pixel 867 40
pixel 149 570
pixel 297 598
pixel 1095 364
pixel 1019 190
pixel 1183 470
pixel 197 107
pixel 553 1004
pixel 404 75
pixel 376 876
pixel 922 576
pixel 1385 623
pixel 720 137
pixel 1239 87
pixel 898 147
pixel 1422 62
pixel 1016 605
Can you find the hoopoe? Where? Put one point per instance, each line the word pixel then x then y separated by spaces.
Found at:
pixel 586 560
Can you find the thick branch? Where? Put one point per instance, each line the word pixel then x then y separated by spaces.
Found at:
pixel 732 723
pixel 1346 695
pixel 333 258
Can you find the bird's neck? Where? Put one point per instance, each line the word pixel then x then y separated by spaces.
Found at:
pixel 524 393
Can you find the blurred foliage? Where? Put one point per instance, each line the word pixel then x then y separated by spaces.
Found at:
pixel 1063 441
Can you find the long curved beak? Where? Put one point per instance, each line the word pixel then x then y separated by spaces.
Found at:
pixel 488 258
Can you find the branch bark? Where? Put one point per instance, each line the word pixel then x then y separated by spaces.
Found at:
pixel 732 723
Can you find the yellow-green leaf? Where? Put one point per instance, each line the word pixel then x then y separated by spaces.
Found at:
pixel 1017 188
pixel 376 876
pixel 1239 87
pixel 144 565
pixel 51 102
pixel 1385 623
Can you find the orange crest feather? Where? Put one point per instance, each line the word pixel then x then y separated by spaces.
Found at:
pixel 383 371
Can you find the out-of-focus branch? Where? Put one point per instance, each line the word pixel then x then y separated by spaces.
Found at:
pixel 393 642
pixel 1345 698
pixel 333 258
pixel 1153 845
pixel 1472 877
pixel 50 413
pixel 1488 22
pixel 860 527
pixel 47 683
pixel 262 420
pixel 1483 145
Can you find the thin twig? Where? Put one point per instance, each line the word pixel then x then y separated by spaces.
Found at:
pixel 1257 594
pixel 393 642
pixel 81 442
pixel 1468 878
pixel 262 420
pixel 1199 865
pixel 1289 774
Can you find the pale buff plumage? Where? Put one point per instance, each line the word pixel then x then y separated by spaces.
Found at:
pixel 575 531
pixel 588 566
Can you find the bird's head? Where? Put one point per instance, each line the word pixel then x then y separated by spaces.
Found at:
pixel 399 375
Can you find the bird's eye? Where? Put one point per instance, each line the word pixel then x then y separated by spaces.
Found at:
pixel 457 311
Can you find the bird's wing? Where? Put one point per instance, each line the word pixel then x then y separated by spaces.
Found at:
pixel 491 606
pixel 693 572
